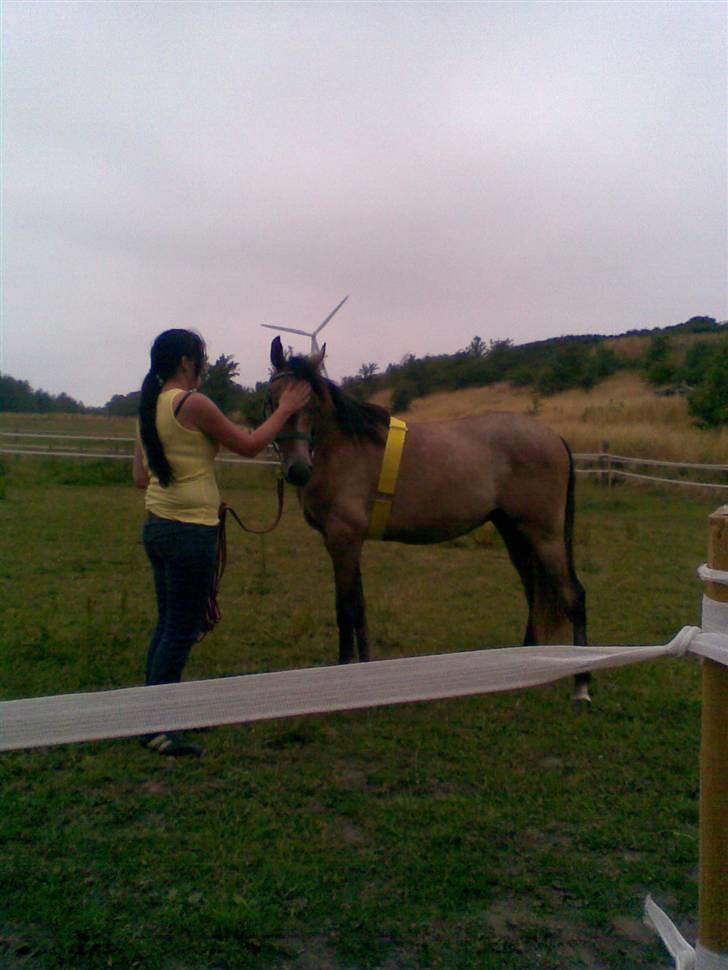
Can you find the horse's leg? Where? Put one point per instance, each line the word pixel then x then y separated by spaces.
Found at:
pixel 559 603
pixel 345 552
pixel 556 598
pixel 519 550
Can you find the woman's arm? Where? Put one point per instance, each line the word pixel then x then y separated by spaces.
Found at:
pixel 139 472
pixel 208 418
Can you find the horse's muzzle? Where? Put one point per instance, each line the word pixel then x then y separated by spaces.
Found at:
pixel 298 473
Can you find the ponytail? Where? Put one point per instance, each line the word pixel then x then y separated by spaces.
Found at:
pixel 167 352
pixel 153 447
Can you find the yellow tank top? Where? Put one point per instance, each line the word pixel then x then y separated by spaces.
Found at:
pixel 192 496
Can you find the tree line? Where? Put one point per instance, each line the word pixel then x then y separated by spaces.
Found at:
pixel 690 358
pixel 19 396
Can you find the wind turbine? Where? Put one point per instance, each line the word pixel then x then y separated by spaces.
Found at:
pixel 309 333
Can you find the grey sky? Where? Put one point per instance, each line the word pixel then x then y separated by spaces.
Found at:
pixel 518 170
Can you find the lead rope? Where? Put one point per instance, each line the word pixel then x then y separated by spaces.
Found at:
pixel 212 610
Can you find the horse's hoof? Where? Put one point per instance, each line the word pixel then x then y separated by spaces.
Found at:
pixel 581 698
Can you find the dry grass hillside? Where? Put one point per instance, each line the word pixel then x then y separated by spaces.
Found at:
pixel 623 410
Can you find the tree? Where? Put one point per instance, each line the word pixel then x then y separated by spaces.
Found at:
pixel 697 362
pixel 367 370
pixel 219 385
pixel 709 401
pixel 19 396
pixel 568 368
pixel 658 366
pixel 123 405
pixel 476 348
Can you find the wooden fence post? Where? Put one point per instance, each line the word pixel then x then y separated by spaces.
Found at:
pixel 712 950
pixel 605 464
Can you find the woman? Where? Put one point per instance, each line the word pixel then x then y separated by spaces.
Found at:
pixel 180 431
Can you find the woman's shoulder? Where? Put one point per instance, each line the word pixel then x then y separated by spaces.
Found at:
pixel 194 410
pixel 197 402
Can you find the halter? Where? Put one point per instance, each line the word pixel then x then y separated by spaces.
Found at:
pixel 286 435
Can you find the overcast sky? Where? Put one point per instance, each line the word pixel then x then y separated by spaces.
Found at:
pixel 519 169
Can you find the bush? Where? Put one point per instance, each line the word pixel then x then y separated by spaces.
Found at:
pixel 402 396
pixel 709 401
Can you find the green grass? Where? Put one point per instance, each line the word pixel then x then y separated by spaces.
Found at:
pixel 496 832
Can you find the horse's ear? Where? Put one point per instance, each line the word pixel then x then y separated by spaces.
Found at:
pixel 277 357
pixel 318 359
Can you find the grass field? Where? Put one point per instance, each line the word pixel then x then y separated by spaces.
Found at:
pixel 497 832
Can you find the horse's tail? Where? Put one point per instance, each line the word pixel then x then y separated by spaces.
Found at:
pixel 580 618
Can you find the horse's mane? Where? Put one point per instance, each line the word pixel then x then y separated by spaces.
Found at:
pixel 356 419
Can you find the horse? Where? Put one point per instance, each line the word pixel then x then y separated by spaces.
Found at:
pixel 454 476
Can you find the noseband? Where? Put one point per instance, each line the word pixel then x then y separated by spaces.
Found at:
pixel 286 435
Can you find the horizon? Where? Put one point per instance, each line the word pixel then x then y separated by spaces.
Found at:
pixel 562 337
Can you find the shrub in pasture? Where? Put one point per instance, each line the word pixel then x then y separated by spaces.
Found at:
pixel 402 396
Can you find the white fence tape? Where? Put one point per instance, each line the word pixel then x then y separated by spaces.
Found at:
pixel 710 575
pixel 65 718
pixel 677 946
pixel 715 616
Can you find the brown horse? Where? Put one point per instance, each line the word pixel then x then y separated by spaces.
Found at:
pixel 454 476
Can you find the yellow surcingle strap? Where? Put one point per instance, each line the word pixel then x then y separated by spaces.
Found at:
pixel 387 478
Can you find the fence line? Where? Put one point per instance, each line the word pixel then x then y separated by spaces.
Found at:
pixel 605 471
pixel 623 459
pixel 124 457
pixel 58 434
pixel 649 478
pixel 579 456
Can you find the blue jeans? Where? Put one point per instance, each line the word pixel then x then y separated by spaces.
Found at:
pixel 183 558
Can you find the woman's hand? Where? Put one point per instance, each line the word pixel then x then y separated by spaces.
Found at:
pixel 294 397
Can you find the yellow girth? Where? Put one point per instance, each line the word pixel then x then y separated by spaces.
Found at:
pixel 387 478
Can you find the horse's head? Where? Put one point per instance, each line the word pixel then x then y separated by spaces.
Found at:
pixel 295 441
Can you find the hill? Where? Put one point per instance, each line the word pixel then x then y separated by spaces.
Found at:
pixel 624 410
pixel 689 359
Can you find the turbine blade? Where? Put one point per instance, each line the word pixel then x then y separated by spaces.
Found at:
pixel 335 310
pixel 270 326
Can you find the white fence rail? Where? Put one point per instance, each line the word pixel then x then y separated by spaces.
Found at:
pixel 608 469
pixel 63 452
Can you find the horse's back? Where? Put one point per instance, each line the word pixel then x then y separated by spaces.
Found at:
pixel 455 473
